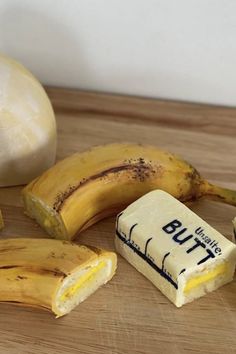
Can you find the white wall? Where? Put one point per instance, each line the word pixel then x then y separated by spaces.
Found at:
pixel 182 49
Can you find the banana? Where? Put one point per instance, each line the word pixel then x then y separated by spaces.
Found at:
pixel 86 187
pixel 51 274
pixel 1 221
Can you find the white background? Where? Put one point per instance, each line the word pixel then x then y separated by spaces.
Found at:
pixel 182 49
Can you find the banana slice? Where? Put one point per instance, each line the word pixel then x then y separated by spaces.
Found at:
pixel 52 274
pixel 174 248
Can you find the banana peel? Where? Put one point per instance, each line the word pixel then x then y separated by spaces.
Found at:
pixel 86 187
pixel 51 274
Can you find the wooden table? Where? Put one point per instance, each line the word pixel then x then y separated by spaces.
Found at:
pixel 129 315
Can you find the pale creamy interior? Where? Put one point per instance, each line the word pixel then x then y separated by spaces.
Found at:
pixel 47 218
pixel 79 285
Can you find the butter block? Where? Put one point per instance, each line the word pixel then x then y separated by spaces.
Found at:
pixel 182 255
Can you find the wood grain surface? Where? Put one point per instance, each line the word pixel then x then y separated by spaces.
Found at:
pixel 129 315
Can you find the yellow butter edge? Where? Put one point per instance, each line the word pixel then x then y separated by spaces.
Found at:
pixel 87 277
pixel 200 279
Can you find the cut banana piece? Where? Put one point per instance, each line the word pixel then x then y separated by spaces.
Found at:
pixel 52 274
pixel 181 254
pixel 86 187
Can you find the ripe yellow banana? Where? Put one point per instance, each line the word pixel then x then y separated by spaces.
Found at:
pixel 86 187
pixel 51 274
pixel 1 221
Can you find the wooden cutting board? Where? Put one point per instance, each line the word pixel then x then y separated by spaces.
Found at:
pixel 129 315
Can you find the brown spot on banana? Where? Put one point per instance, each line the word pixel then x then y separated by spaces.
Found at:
pixel 38 270
pixel 10 249
pixel 139 171
pixel 21 277
pixel 8 266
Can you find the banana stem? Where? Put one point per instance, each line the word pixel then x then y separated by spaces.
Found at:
pixel 220 194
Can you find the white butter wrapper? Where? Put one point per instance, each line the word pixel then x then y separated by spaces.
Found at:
pixel 182 255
